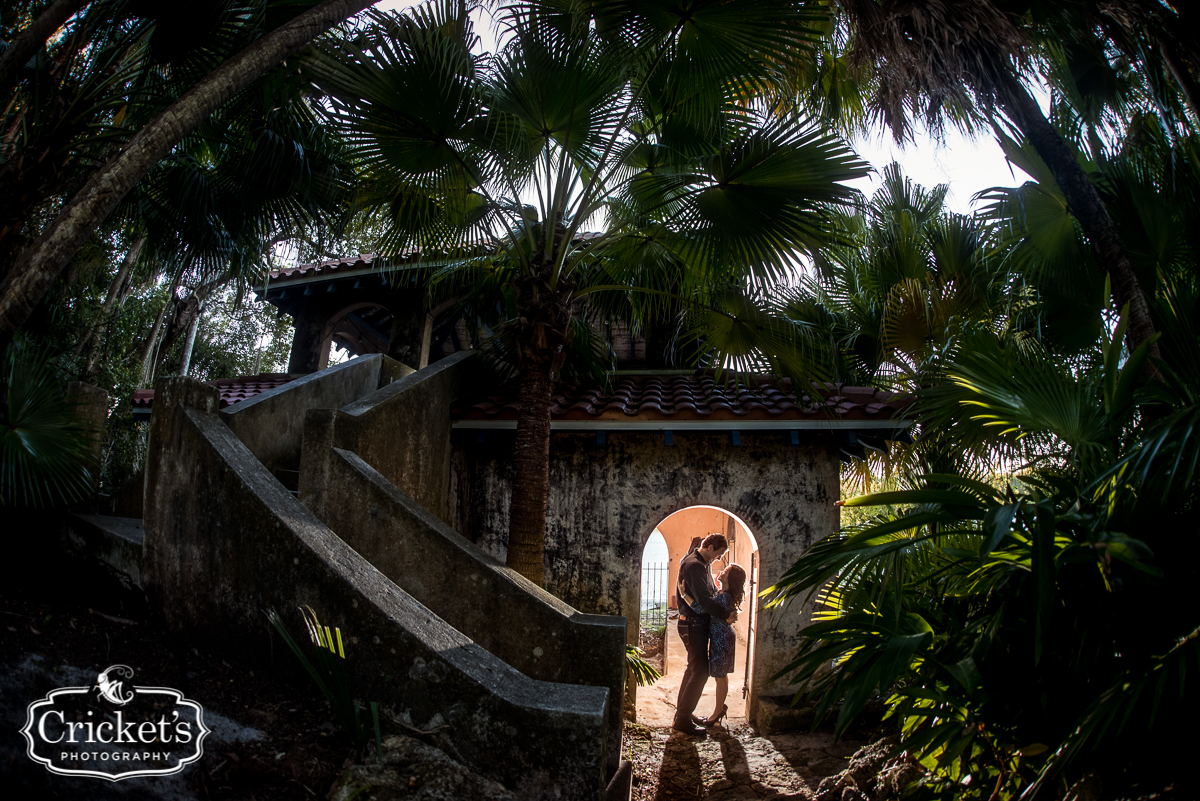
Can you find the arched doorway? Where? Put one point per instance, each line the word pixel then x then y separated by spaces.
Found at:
pixel 675 536
pixel 357 330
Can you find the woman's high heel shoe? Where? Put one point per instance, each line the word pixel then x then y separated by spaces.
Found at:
pixel 706 722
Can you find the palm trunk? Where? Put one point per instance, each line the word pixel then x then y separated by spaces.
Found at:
pixel 1187 84
pixel 544 319
pixel 1088 208
pixel 531 474
pixel 41 263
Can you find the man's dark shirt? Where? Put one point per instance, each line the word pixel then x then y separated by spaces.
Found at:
pixel 698 582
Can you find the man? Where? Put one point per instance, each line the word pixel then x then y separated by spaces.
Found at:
pixel 695 595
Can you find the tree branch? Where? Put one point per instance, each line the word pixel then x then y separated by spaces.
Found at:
pixel 40 264
pixel 33 38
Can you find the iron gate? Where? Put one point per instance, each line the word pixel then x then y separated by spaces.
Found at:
pixel 654 595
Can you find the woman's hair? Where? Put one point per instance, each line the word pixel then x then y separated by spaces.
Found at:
pixel 735 583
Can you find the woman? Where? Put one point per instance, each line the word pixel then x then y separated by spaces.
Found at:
pixel 721 640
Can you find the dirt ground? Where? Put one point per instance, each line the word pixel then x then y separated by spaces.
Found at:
pixel 272 734
pixel 656 703
pixel 732 764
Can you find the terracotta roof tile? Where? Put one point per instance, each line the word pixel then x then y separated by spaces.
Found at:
pixel 233 390
pixel 694 397
pixel 361 262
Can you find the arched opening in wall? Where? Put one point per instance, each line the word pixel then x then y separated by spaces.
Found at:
pixel 359 330
pixel 675 537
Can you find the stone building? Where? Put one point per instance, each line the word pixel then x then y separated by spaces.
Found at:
pixel 624 459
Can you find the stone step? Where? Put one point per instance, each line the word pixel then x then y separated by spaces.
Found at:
pixel 116 541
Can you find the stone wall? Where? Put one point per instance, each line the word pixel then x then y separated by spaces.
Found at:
pixel 224 541
pixel 606 499
pixel 271 424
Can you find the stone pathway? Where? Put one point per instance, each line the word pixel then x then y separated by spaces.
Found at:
pixel 731 764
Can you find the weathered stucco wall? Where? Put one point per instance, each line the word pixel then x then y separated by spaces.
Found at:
pixel 605 501
pixel 271 424
pixel 224 541
pixel 499 609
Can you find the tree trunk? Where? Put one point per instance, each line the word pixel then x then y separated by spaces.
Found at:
pixel 149 352
pixel 190 343
pixel 1088 208
pixel 1188 86
pixel 531 473
pixel 43 261
pixel 544 319
pixel 97 332
pixel 33 38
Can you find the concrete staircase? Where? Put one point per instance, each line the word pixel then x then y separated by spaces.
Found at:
pixel 331 492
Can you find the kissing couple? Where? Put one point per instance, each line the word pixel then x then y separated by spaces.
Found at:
pixel 707 611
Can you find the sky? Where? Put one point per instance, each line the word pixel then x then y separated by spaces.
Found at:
pixel 968 166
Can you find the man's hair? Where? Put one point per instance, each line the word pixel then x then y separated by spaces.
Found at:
pixel 716 541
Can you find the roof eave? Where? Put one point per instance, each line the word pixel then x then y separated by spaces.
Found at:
pixel 666 424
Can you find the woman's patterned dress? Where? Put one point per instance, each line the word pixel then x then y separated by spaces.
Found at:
pixel 721 641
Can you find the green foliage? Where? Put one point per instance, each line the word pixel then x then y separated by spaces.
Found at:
pixel 643 672
pixel 332 677
pixel 44 444
pixel 1006 625
pixel 229 336
pixel 638 118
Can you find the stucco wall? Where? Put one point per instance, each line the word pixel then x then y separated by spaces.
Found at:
pixel 605 501
pixel 517 621
pixel 403 429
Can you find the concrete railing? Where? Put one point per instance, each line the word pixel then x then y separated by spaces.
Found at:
pixel 225 541
pixel 511 617
pixel 271 424
pixel 403 430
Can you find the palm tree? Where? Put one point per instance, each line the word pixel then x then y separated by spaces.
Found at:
pixel 1151 184
pixel 957 62
pixel 44 444
pixel 1048 502
pixel 638 119
pixel 904 280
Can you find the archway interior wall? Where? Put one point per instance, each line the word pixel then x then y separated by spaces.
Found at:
pixel 679 529
pixel 606 500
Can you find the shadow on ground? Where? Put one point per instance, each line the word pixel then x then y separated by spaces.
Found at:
pixel 732 763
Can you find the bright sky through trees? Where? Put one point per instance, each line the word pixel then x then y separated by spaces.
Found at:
pixel 968 166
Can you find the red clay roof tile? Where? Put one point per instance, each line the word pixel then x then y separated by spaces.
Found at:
pixel 694 397
pixel 362 262
pixel 233 390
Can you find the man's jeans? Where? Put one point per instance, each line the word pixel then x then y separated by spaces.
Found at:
pixel 694 633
